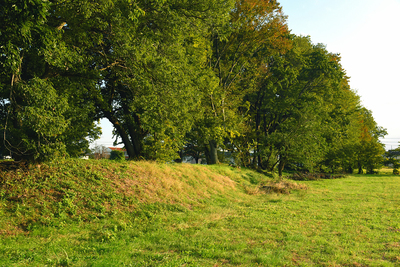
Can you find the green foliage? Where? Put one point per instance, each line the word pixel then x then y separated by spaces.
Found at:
pixel 392 160
pixel 254 29
pixel 117 155
pixel 289 106
pixel 370 151
pixel 199 77
pixel 37 85
pixel 144 65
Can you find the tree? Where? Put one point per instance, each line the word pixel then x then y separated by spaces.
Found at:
pixel 342 130
pixel 36 84
pixel 392 159
pixel 255 29
pixel 370 151
pixel 144 54
pixel 131 62
pixel 216 75
pixel 291 101
pixel 354 138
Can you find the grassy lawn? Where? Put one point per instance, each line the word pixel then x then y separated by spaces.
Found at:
pixel 354 221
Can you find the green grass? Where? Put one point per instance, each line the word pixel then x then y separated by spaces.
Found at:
pixel 144 214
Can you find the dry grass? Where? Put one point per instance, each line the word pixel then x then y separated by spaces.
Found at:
pixel 272 186
pixel 282 187
pixel 170 183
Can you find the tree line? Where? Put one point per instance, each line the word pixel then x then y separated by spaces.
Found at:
pixel 175 78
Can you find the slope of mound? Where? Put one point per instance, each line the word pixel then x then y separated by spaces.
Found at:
pixel 80 190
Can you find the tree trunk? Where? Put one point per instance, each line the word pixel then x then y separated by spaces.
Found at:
pixel 135 140
pixel 259 162
pixel 360 170
pixel 180 159
pixel 281 165
pixel 125 138
pixel 350 170
pixel 213 153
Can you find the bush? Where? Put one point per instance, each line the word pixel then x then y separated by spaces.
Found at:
pixel 117 155
pixel 396 171
pixel 282 187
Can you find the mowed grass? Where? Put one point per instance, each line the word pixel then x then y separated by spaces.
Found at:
pixel 147 214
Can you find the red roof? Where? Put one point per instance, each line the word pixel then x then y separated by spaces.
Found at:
pixel 117 148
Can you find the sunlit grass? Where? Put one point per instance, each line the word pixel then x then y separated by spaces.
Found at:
pixel 185 215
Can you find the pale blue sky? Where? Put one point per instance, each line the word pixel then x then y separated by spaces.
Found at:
pixel 366 34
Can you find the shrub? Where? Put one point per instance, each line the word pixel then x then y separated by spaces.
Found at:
pixel 282 187
pixel 117 155
pixel 396 171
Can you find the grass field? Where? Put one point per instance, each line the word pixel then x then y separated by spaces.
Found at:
pixel 100 213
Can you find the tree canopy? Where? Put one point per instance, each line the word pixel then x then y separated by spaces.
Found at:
pixel 203 79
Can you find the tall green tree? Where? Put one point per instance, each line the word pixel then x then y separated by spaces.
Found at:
pixel 369 150
pixel 36 84
pixel 255 29
pixel 149 59
pixel 290 104
pixel 140 64
pixel 342 130
pixel 353 137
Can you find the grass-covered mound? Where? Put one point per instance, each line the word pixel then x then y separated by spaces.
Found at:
pixel 80 190
pixel 103 213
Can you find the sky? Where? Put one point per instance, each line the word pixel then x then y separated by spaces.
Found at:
pixel 366 35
